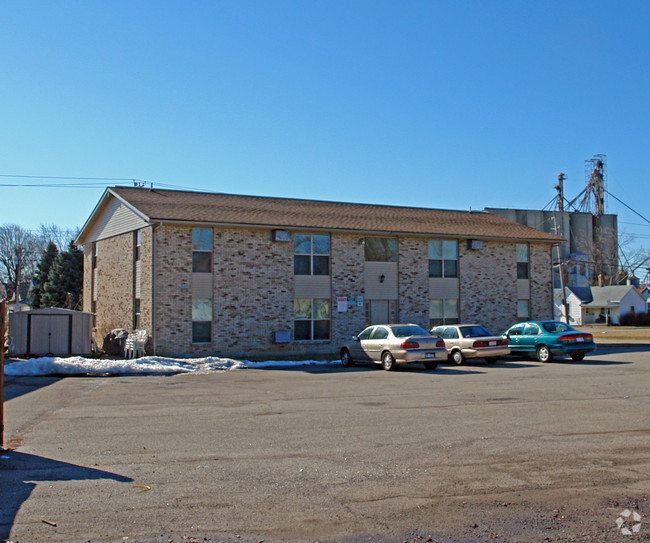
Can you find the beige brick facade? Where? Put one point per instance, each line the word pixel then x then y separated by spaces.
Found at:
pixel 488 285
pixel 253 288
pixel 114 306
pixel 541 282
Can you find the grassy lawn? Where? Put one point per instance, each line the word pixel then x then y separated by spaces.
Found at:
pixel 617 332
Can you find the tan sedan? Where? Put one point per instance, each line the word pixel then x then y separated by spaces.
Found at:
pixel 465 341
pixel 393 344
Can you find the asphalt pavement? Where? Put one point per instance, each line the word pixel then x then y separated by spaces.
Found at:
pixel 517 451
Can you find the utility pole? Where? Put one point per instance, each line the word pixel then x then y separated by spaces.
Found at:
pixel 560 191
pixel 559 255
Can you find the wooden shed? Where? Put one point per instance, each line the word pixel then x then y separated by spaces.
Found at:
pixel 50 331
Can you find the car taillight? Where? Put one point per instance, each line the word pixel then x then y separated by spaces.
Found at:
pixel 502 341
pixel 577 338
pixel 480 343
pixel 440 343
pixel 410 345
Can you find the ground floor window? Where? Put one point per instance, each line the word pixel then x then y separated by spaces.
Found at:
pixel 311 319
pixel 136 314
pixel 201 321
pixel 523 310
pixel 443 311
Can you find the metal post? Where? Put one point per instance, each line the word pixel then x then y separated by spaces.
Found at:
pixel 3 312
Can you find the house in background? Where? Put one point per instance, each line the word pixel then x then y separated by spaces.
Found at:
pixel 588 305
pixel 210 273
pixel 645 292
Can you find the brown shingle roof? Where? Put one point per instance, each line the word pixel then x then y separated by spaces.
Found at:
pixel 215 208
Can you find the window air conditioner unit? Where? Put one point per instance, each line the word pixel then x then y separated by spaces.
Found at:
pixel 475 244
pixel 281 235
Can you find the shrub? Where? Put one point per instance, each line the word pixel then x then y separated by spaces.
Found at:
pixel 635 319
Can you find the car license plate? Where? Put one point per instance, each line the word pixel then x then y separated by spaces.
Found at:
pixel 429 355
pixel 580 339
pixel 493 343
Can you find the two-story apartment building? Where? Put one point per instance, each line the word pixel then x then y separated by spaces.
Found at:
pixel 210 273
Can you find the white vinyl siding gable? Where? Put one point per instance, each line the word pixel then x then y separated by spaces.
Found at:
pixel 115 219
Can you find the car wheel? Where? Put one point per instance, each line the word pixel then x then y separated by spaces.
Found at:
pixel 387 361
pixel 492 360
pixel 346 359
pixel 457 358
pixel 544 354
pixel 578 356
pixel 431 365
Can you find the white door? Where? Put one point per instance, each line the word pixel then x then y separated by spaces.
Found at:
pixel 379 312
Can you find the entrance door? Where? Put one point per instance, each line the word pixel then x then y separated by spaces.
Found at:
pixel 379 312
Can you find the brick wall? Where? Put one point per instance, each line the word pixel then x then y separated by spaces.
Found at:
pixel 347 258
pixel 488 285
pixel 173 292
pixel 414 281
pixel 114 285
pixel 253 288
pixel 541 287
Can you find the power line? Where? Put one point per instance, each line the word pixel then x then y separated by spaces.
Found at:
pixel 71 178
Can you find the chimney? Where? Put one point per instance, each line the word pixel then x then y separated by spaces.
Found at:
pixel 600 279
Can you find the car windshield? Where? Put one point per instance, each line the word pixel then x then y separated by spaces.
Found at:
pixel 409 330
pixel 557 327
pixel 474 331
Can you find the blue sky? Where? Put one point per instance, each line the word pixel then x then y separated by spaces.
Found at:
pixel 418 103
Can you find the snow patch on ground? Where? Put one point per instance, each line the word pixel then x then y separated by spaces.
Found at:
pixel 77 365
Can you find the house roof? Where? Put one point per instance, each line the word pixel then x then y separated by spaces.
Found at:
pixel 230 209
pixel 584 293
pixel 608 296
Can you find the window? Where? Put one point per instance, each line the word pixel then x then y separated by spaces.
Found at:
pixel 138 244
pixel 201 321
pixel 311 254
pixel 311 319
pixel 523 310
pixel 522 261
pixel 136 314
pixel 443 311
pixel 380 249
pixel 531 330
pixel 443 258
pixel 516 330
pixel 202 250
pixel 366 333
pixel 450 333
pixel 380 333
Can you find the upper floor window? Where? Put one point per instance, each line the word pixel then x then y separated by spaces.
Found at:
pixel 138 244
pixel 202 250
pixel 311 254
pixel 443 258
pixel 522 261
pixel 380 249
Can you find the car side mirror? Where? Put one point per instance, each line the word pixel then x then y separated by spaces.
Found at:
pixel 355 338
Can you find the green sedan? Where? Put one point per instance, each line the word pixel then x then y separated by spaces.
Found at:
pixel 546 339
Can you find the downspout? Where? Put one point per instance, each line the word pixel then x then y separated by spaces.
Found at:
pixel 154 305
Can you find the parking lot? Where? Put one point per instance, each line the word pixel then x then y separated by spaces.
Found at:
pixel 516 451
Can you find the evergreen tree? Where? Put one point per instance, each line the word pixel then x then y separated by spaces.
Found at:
pixel 41 275
pixel 64 284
